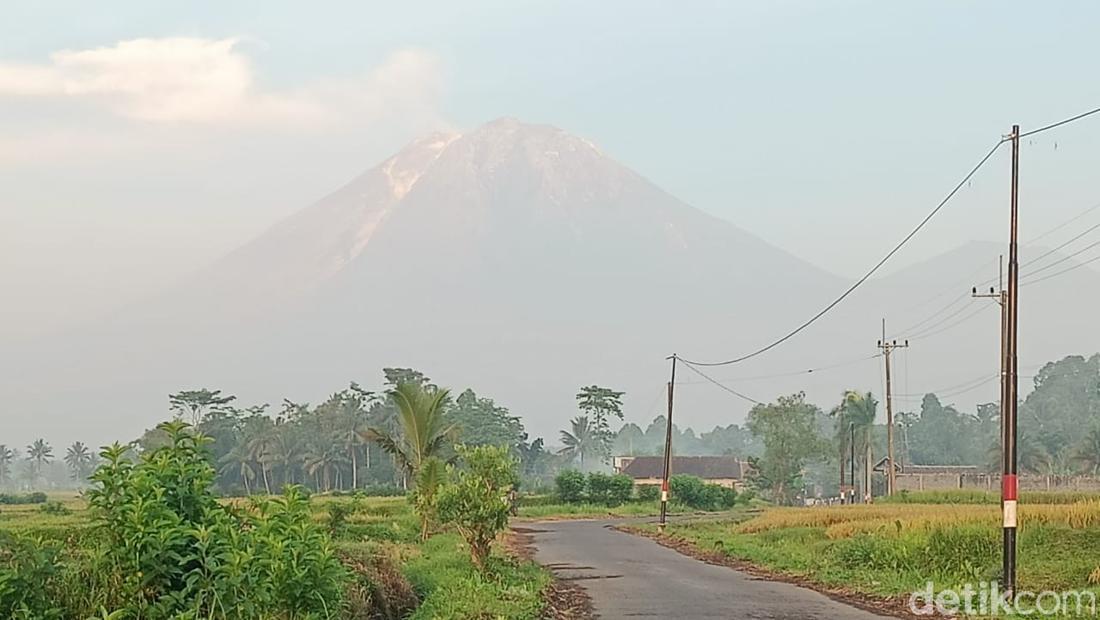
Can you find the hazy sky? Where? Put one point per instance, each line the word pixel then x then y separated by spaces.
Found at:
pixel 140 140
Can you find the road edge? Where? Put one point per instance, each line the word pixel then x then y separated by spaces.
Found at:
pixel 564 600
pixel 894 607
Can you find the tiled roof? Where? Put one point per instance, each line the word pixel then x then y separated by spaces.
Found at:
pixel 706 467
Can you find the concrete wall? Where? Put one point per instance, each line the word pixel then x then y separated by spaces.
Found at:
pixel 992 482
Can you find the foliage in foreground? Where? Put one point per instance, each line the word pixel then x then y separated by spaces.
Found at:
pixel 476 502
pixel 165 548
pixel 443 576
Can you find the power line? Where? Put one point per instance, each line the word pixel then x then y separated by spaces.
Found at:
pixel 796 373
pixel 926 335
pixel 950 390
pixel 914 326
pixel 1060 123
pixel 921 332
pixel 867 275
pixel 1066 223
pixel 1052 251
pixel 1061 260
pixel 715 382
pixel 1058 273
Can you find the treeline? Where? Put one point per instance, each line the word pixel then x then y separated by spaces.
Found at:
pixel 339 444
pixel 807 451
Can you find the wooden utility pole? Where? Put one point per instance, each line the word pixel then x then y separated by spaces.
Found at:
pixel 887 349
pixel 668 448
pixel 1008 479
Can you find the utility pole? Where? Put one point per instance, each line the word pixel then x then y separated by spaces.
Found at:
pixel 1008 480
pixel 852 461
pixel 1001 297
pixel 887 349
pixel 668 448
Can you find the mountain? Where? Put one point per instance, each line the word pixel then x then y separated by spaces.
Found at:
pixel 515 259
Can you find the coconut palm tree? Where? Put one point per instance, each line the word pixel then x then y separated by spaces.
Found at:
pixel 39 454
pixel 7 459
pixel 79 459
pixel 583 441
pixel 424 430
pixel 1088 451
pixel 856 416
pixel 239 461
pixel 324 462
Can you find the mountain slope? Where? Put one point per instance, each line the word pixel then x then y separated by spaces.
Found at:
pixel 521 261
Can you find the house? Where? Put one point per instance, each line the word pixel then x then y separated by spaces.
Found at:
pixel 728 471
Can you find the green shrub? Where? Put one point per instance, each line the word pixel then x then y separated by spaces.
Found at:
pixel 620 487
pixel 720 497
pixel 10 499
pixel 338 513
pixel 570 485
pixel 688 490
pixel 649 492
pixel 599 488
pixel 29 574
pixel 54 508
pixel 476 502
pixel 172 551
pixel 694 493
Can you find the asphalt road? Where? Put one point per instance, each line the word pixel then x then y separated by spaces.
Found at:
pixel 630 577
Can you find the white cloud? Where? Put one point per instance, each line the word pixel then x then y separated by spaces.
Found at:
pixel 210 81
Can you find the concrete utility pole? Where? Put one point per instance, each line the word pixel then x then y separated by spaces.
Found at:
pixel 668 448
pixel 887 349
pixel 1000 295
pixel 1008 480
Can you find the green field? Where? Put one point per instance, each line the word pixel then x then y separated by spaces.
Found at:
pixel 893 549
pixel 377 540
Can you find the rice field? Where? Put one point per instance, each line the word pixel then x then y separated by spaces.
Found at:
pixel 893 549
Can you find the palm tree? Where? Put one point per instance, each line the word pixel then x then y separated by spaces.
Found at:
pixel 39 454
pixel 322 462
pixel 856 416
pixel 424 429
pixel 1088 451
pixel 7 458
pixel 239 461
pixel 79 459
pixel 582 442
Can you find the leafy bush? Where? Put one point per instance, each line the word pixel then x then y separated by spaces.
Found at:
pixel 173 551
pixel 693 492
pixel 29 573
pixel 570 484
pixel 649 492
pixel 429 478
pixel 609 490
pixel 338 513
pixel 476 502
pixel 28 498
pixel 688 490
pixel 54 508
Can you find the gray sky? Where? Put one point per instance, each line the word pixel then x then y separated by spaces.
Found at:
pixel 141 142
